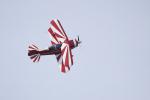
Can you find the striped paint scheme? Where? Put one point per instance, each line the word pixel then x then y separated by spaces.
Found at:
pixel 58 35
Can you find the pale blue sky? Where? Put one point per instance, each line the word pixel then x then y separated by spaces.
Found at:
pixel 112 63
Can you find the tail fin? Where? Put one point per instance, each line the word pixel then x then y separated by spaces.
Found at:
pixel 33 52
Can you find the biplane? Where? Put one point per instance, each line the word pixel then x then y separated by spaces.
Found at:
pixel 61 47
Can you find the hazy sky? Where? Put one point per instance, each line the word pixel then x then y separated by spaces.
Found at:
pixel 112 63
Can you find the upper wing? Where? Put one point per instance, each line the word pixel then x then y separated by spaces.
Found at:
pixel 65 59
pixel 57 32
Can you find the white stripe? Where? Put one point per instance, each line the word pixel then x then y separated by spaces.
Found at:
pixel 63 45
pixel 66 69
pixel 34 47
pixel 64 55
pixel 30 49
pixel 33 55
pixel 60 66
pixel 54 40
pixel 74 42
pixel 56 21
pixel 56 31
pixel 61 39
pixel 69 57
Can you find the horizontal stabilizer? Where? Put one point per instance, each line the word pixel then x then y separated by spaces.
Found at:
pixel 33 52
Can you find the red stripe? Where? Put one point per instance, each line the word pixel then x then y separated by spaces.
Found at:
pixel 33 56
pixel 35 59
pixel 52 34
pixel 62 52
pixel 38 58
pixel 35 46
pixel 71 56
pixel 66 60
pixel 63 68
pixel 56 38
pixel 56 26
pixel 62 29
pixel 31 47
pixel 53 42
pixel 59 36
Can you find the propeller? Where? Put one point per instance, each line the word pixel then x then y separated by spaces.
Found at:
pixel 79 40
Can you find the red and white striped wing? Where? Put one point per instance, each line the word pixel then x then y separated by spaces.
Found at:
pixel 57 32
pixel 65 59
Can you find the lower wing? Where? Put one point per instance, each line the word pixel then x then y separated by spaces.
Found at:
pixel 65 58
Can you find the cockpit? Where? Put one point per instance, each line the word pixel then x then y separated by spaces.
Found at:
pixel 55 47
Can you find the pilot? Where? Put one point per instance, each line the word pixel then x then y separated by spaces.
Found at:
pixel 55 47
